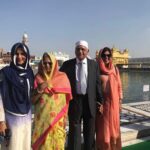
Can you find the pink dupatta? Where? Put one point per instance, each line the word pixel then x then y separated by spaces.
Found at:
pixel 115 95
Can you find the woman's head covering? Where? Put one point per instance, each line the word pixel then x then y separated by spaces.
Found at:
pixel 13 55
pixel 58 82
pixel 41 68
pixel 17 83
pixel 103 68
pixel 102 51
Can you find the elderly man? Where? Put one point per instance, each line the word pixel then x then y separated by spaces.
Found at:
pixel 83 74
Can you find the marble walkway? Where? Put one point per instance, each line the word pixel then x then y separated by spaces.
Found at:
pixel 135 122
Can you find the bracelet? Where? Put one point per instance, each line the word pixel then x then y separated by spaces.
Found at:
pixel 99 103
pixel 40 91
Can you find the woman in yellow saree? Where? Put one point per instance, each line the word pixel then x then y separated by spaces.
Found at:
pixel 51 100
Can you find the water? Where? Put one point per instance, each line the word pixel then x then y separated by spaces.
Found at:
pixel 132 83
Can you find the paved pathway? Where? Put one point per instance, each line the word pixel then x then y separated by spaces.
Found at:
pixel 135 122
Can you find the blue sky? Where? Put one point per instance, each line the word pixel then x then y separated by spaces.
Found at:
pixel 55 25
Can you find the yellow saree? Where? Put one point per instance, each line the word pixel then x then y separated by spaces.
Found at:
pixel 51 111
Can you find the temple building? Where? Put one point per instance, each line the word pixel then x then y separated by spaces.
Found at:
pixel 5 57
pixel 120 57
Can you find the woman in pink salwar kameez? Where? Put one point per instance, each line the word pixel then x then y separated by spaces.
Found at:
pixel 108 124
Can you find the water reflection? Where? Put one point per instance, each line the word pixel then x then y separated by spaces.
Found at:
pixel 132 83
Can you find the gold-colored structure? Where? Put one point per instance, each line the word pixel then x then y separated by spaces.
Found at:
pixel 120 57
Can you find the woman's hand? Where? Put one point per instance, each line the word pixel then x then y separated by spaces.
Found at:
pixel 37 93
pixel 2 128
pixel 41 87
pixel 100 107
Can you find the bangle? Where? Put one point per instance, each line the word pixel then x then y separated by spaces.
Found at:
pixel 98 103
pixel 40 91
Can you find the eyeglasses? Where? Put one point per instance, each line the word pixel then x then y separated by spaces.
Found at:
pixel 106 55
pixel 47 63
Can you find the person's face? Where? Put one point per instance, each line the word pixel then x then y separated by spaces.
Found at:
pixel 47 64
pixel 81 52
pixel 20 56
pixel 106 56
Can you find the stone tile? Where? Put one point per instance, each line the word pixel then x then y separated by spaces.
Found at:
pixel 135 122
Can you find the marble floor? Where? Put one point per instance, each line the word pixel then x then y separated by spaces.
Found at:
pixel 135 122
